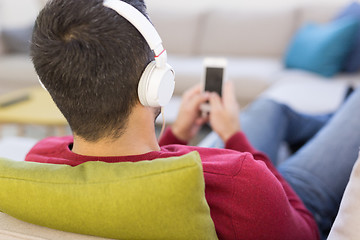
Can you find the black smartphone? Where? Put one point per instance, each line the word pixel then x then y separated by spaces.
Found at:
pixel 213 78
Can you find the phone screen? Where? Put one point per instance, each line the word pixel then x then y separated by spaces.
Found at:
pixel 213 79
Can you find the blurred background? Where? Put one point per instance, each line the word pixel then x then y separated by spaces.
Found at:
pixel 305 53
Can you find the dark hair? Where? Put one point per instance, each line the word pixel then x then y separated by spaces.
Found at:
pixel 90 59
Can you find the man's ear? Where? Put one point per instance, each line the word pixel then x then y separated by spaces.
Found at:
pixel 157 111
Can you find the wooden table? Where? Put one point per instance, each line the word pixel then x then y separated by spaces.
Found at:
pixel 31 106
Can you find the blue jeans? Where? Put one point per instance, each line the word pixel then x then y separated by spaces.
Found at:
pixel 319 170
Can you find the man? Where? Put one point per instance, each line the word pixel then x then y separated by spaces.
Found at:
pixel 90 59
pixel 319 170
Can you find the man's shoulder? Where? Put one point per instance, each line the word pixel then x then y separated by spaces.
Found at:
pixel 49 147
pixel 215 160
pixel 50 144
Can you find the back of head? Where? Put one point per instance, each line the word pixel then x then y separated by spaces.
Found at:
pixel 90 59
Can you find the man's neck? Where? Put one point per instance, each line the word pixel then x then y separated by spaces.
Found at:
pixel 138 138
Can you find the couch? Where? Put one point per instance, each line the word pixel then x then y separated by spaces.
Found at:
pixel 346 224
pixel 14 229
pixel 253 39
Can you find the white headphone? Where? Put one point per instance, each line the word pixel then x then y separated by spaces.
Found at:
pixel 157 82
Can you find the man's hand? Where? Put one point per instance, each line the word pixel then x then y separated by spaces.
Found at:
pixel 189 119
pixel 224 113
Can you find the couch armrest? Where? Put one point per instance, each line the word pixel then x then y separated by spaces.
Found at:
pixel 14 229
pixel 347 221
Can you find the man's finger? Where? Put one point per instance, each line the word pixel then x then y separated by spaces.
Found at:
pixel 198 99
pixel 201 120
pixel 229 92
pixel 196 89
pixel 215 101
pixel 229 97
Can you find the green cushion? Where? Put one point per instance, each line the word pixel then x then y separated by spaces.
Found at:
pixel 158 199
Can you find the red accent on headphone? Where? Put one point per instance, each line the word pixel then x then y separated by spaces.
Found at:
pixel 160 53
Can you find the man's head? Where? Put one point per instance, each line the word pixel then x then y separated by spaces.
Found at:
pixel 90 59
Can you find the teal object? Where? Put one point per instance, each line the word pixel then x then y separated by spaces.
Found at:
pixel 352 63
pixel 322 49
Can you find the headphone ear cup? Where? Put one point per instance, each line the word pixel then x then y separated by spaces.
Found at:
pixel 144 83
pixel 156 85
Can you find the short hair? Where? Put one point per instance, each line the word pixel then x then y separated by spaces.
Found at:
pixel 90 59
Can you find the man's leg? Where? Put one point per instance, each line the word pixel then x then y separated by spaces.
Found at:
pixel 320 170
pixel 267 124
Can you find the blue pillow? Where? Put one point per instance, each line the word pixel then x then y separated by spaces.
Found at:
pixel 352 63
pixel 322 48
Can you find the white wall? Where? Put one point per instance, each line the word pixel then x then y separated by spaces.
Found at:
pixel 18 13
pixel 200 4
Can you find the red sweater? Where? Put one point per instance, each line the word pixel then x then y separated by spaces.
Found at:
pixel 248 198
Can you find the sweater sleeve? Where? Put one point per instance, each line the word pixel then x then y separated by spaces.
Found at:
pixel 297 215
pixel 169 138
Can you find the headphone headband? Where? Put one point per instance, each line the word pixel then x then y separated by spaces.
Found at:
pixel 143 25
pixel 156 84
